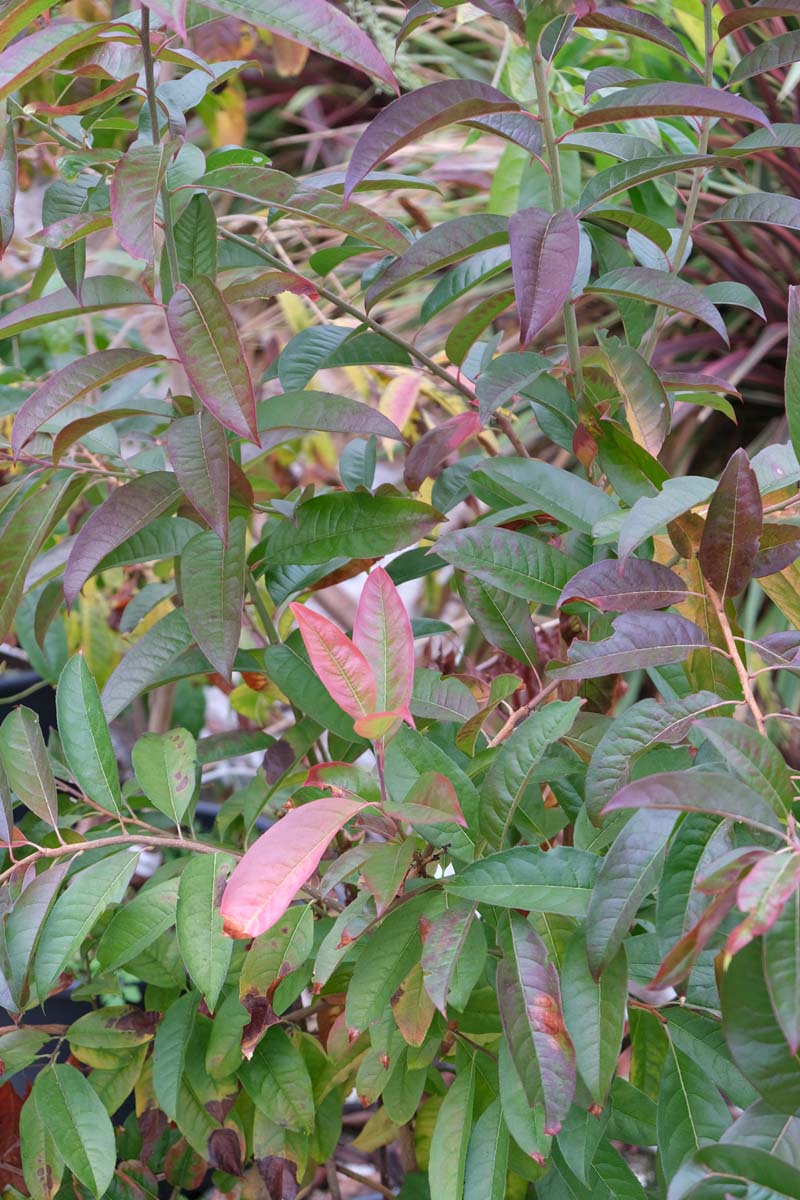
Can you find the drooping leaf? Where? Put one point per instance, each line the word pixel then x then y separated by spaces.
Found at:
pixel 632 22
pixel 691 1112
pixel 621 586
pixel 529 999
pixel 211 353
pixel 755 759
pixel 669 100
pixel 349 525
pixel 382 632
pixel 511 773
pixel 427 455
pixel 75 913
pixel 78 1124
pixel 544 258
pixel 212 580
pixel 645 398
pixel 639 640
pixel 85 737
pixel 504 620
pixel 97 294
pixel 732 531
pixel 23 928
pixel 32 55
pixel 276 866
pixel 520 565
pixel 411 116
pixel 781 961
pixel 135 187
pixel 205 950
pixel 165 765
pixel 656 287
pixel 454 952
pixel 763 893
pixel 198 451
pixel 594 1012
pixel 27 767
pixel 558 881
pixel 507 482
pixel 296 410
pixel 316 24
pixel 450 1141
pixel 169 1052
pixel 155 652
pixel 628 873
pixel 42 1165
pixel 342 666
pixel 698 791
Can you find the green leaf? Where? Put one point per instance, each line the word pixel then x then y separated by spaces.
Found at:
pixel 634 171
pixel 701 1039
pixel 351 525
pixel 529 999
pixel 651 514
pixel 781 959
pixel 212 581
pixel 451 1136
pixel 646 404
pixel 169 1052
pixel 23 928
pixel 166 770
pixel 278 952
pixel 513 562
pixel 690 1113
pixel 733 1166
pixel 594 1012
pixel 753 758
pixel 487 1156
pixel 754 1038
pixel 85 738
pixel 508 482
pixel 195 234
pixel 24 756
pixel 503 620
pixel 453 956
pixel 138 924
pixel 385 961
pixel 98 294
pixel 277 1081
pixel 558 881
pixel 510 774
pixel 699 840
pixel 42 1165
pixel 78 1124
pixel 628 873
pixel 205 950
pixel 140 668
pixel 75 912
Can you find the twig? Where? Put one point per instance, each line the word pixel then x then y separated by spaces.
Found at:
pixel 520 714
pixel 333 1182
pixel 376 1187
pixel 130 839
pixel 736 658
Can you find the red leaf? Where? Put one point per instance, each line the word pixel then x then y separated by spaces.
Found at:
pixel 342 667
pixel 762 894
pixel 544 258
pixel 426 457
pixel 135 186
pixel 382 632
pixel 670 100
pixel 208 345
pixel 276 866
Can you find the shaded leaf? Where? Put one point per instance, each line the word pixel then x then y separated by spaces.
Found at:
pixel 351 525
pixel 619 586
pixel 699 791
pixel 669 100
pixel 732 531
pixel 656 287
pixel 27 767
pixel 691 1111
pixel 85 737
pixel 212 581
pixel 639 640
pixel 198 452
pixel 594 1012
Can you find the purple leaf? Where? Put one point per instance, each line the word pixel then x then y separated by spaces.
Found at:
pixel 198 451
pixel 445 940
pixel 630 21
pixel 427 456
pixel 212 582
pixel 135 186
pixel 529 999
pixel 670 100
pixel 127 510
pixel 732 531
pixel 698 791
pixel 314 23
pixel 657 287
pixel 442 245
pixel 208 345
pixel 762 10
pixel 544 258
pixel 97 295
pixel 622 586
pixel 322 411
pixel 31 56
pixel 520 128
pixel 778 548
pixel 792 377
pixel 418 113
pixel 71 383
pixel 639 640
pixel 61 234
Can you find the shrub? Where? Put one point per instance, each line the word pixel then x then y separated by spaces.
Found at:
pixel 520 866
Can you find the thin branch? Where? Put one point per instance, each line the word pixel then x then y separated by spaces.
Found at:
pixel 367 1181
pixel 130 839
pixel 733 653
pixel 520 714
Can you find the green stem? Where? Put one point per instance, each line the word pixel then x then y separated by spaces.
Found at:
pixel 692 200
pixel 557 197
pixel 63 139
pixel 173 271
pixel 261 608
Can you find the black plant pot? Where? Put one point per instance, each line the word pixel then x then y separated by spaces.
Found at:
pixel 17 677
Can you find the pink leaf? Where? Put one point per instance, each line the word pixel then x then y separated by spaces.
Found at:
pixel 275 867
pixel 382 632
pixel 427 457
pixel 381 725
pixel 342 667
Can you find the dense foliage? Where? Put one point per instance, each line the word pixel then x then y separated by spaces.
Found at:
pixel 514 865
